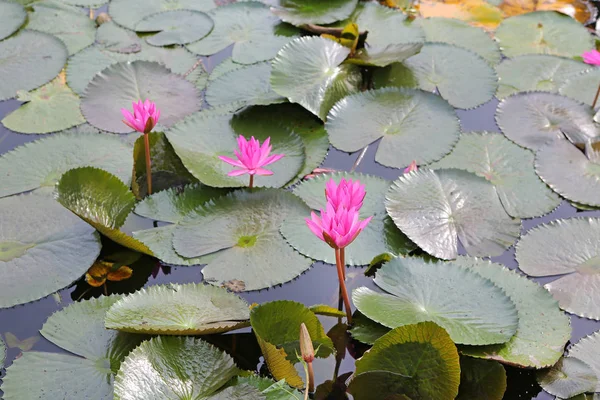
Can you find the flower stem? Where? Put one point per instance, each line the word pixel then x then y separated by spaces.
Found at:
pixel 596 98
pixel 340 271
pixel 148 163
pixel 311 378
pixel 251 184
pixel 343 261
pixel 306 391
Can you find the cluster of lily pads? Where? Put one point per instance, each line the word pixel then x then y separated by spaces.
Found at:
pixel 305 74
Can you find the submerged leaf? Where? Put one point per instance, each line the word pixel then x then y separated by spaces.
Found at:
pixel 13 342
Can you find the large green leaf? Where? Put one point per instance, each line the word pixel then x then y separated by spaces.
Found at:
pixel 43 248
pixel 414 125
pixel 112 37
pixel 12 16
pixel 366 330
pixel 74 28
pixel 469 307
pixel 309 71
pixel 569 249
pixel 50 108
pixel 250 248
pixel 567 378
pixel 582 87
pixel 543 32
pixel 435 209
pixel 508 167
pixel 29 60
pixel 588 351
pixel 481 379
pixel 272 390
pixel 128 13
pixel 175 27
pixel 380 235
pixel 255 33
pixel 311 11
pixel 530 346
pixel 41 163
pixel 85 374
pixel 428 368
pixel 174 368
pixel 191 309
pixel 121 84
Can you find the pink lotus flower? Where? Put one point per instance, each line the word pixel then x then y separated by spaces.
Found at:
pixel 252 157
pixel 336 227
pixel 145 116
pixel 592 57
pixel 348 194
pixel 412 167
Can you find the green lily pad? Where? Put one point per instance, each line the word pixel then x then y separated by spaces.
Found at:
pixel 586 350
pixel 380 235
pixel 429 369
pixel 43 248
pixel 12 16
pixel 29 60
pixel 254 32
pixel 506 166
pixel 311 11
pixel 41 163
pixel 174 368
pixel 414 125
pixel 536 72
pixel 543 32
pixel 121 84
pixel 191 309
pixel 309 71
pixel 481 379
pixel 112 37
pixel 248 85
pixel 567 378
pixel 460 76
pixel 200 153
pixel 88 372
pixel 530 346
pixel 469 307
pixel 50 108
pixel 272 390
pixel 582 87
pixel 175 27
pixel 74 28
pixel 533 119
pixel 366 330
pixel 129 13
pixel 567 249
pixel 249 249
pixel 435 209
pixel 460 33
pixel 84 3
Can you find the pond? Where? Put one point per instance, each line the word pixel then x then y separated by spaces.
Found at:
pixel 240 99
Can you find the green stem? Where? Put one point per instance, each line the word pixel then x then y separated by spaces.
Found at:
pixel 148 163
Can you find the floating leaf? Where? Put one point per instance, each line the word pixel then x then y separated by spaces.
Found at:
pixel 312 11
pixel 429 369
pixel 41 163
pixel 582 87
pixel 191 309
pixel 436 209
pixel 379 236
pixel 13 342
pixel 533 72
pixel 469 307
pixel 308 71
pixel 121 84
pixel 567 248
pixel 581 10
pixel 50 108
pixel 101 271
pixel 365 330
pixel 249 249
pixel 85 374
pixel 112 37
pixel 12 16
pixel 586 350
pixel 476 12
pixel 129 13
pixel 414 125
pixel 506 166
pixel 175 27
pixel 543 32
pixel 272 390
pixel 254 32
pixel 568 377
pixel 532 119
pixel 29 60
pixel 481 379
pixel 83 3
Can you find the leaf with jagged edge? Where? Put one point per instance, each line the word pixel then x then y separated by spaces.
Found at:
pixel 175 27
pixel 587 350
pixel 582 87
pixel 567 378
pixel 115 38
pixel 279 390
pixel 128 13
pixel 12 16
pixel 2 353
pixel 311 11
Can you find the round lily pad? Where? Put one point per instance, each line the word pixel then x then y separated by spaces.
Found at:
pixel 112 37
pixel 481 379
pixel 12 16
pixel 536 72
pixel 582 87
pixel 121 84
pixel 175 27
pixel 308 71
pixel 380 235
pixel 83 3
pixel 41 163
pixel 532 119
pixel 568 249
pixel 129 13
pixel 29 60
pixel 567 378
pixel 587 350
pixel 435 209
pixel 312 11
pixel 254 32
pixel 43 248
pixel 469 307
pixel 414 125
pixel 51 108
pixel 543 32
pixel 508 167
pixel 250 249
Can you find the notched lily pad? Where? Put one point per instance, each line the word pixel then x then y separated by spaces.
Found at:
pixel 567 378
pixel 129 13
pixel 114 38
pixel 175 27
pixel 587 350
pixel 12 16
pixel 311 11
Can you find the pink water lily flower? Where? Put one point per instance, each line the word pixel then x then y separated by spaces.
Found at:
pixel 412 167
pixel 348 193
pixel 144 118
pixel 337 227
pixel 252 157
pixel 592 57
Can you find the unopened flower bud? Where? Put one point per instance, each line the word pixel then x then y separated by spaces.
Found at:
pixel 306 346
